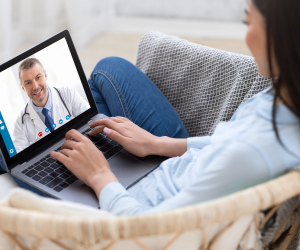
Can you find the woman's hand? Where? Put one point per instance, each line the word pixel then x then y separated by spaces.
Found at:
pixel 85 161
pixel 133 138
pixel 137 140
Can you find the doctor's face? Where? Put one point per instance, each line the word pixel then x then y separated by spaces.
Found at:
pixel 34 83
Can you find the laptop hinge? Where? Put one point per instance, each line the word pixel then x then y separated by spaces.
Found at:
pixel 22 164
pixel 18 165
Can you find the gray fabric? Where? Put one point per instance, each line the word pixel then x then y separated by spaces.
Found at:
pixel 295 244
pixel 282 214
pixel 206 86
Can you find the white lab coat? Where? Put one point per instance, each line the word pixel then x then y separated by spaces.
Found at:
pixel 33 123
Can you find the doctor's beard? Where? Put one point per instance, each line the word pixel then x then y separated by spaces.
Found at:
pixel 41 98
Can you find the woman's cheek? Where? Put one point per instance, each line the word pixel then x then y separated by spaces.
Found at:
pixel 257 45
pixel 250 41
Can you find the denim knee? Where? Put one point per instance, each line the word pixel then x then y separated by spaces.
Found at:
pixel 111 62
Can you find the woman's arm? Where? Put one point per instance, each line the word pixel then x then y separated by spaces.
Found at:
pixel 230 169
pixel 137 140
pixel 169 147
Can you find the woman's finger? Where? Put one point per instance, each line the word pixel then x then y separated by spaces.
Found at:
pixel 77 136
pixel 66 152
pixel 114 135
pixel 60 157
pixel 96 131
pixel 105 122
pixel 68 144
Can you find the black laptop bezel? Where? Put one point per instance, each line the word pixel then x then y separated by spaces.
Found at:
pixel 59 133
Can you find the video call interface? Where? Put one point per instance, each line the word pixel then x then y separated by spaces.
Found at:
pixel 38 95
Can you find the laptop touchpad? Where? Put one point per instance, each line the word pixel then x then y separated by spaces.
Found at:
pixel 128 169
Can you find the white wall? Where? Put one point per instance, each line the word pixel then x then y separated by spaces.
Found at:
pixel 32 21
pixel 230 10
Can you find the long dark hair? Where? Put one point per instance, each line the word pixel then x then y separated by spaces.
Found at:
pixel 282 18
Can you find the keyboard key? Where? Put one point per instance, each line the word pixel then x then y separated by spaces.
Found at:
pixel 109 146
pixel 101 135
pixel 109 154
pixel 104 149
pixel 103 140
pixel 54 174
pixel 54 182
pixel 48 170
pixel 68 172
pixel 36 164
pixel 42 173
pixel 45 164
pixel 74 177
pixel 37 177
pixel 31 167
pixel 64 176
pixel 25 171
pixel 94 139
pixel 98 137
pixel 64 185
pixel 54 165
pixel 46 180
pixel 43 159
pixel 70 180
pixel 31 173
pixel 116 149
pixel 114 143
pixel 51 160
pixel 58 189
pixel 104 137
pixel 60 170
pixel 38 168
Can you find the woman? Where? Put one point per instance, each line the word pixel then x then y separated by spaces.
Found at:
pixel 261 141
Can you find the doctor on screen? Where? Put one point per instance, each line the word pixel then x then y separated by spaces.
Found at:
pixel 48 107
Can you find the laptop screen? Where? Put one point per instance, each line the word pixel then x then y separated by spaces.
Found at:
pixel 40 95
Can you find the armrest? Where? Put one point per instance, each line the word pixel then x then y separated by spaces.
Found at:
pixel 203 84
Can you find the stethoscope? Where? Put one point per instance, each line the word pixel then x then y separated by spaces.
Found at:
pixel 26 113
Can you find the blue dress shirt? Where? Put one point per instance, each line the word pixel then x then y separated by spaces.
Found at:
pixel 241 153
pixel 48 106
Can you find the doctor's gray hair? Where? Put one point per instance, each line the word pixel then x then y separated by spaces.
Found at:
pixel 28 64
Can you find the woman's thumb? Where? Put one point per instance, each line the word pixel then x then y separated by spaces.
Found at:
pixel 113 135
pixel 107 130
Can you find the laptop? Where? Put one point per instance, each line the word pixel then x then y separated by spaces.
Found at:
pixel 32 163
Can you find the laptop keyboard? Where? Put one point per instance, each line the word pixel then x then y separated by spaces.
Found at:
pixel 55 175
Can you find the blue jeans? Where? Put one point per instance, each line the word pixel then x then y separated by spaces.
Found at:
pixel 121 89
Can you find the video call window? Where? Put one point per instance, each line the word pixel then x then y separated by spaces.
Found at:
pixel 39 95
